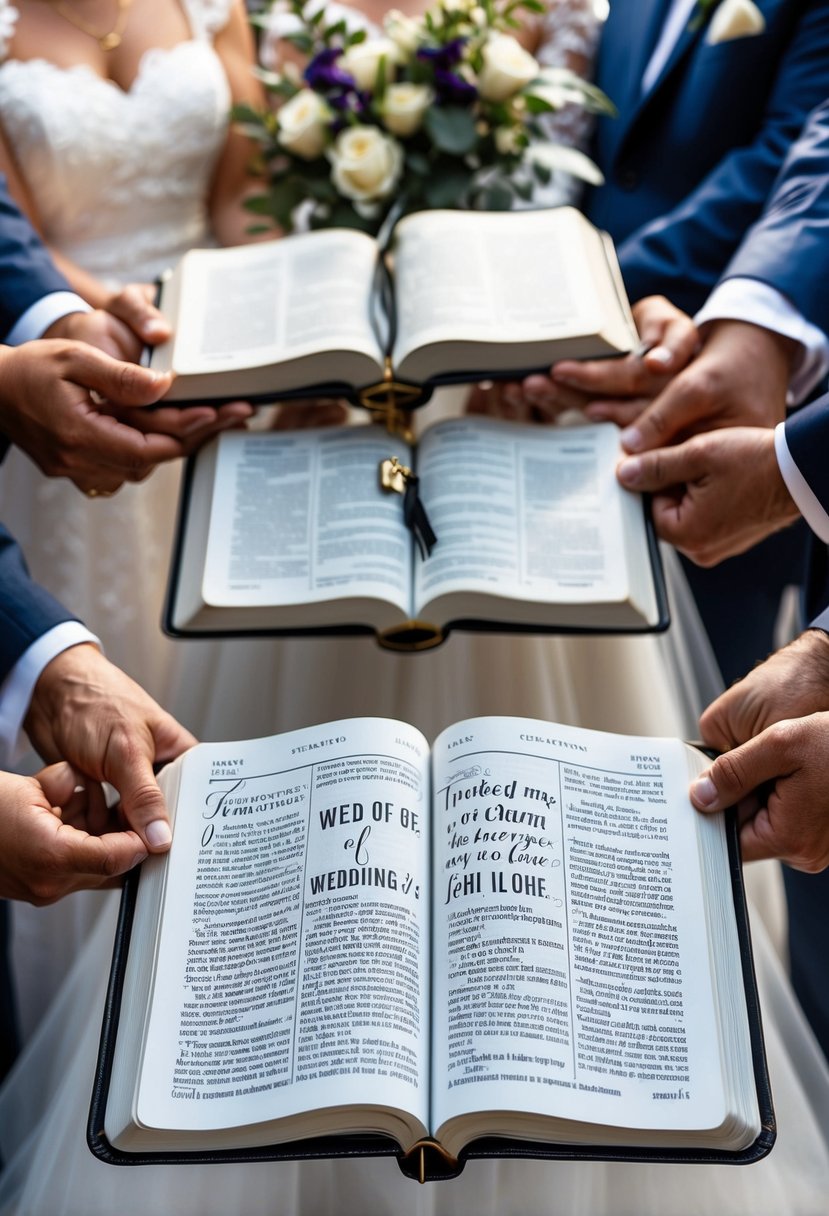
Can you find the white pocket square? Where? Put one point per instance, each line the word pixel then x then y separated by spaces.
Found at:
pixel 735 19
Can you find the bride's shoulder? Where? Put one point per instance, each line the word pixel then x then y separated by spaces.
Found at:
pixel 8 21
pixel 208 17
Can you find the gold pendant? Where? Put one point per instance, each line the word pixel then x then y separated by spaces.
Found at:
pixel 110 42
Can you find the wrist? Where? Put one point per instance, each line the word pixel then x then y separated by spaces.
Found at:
pixel 52 694
pixel 68 327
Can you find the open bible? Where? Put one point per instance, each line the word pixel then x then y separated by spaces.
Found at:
pixel 525 942
pixel 293 532
pixel 471 295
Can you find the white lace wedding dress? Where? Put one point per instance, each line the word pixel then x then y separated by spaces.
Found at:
pixel 121 181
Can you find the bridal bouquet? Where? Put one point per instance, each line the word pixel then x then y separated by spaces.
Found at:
pixel 446 110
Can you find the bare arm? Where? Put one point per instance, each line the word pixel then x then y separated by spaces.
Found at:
pixel 232 182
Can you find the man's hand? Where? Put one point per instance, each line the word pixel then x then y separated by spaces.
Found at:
pixel 47 409
pixel 128 323
pixel 620 389
pixel 604 388
pixel 716 494
pixel 740 378
pixel 792 683
pixel 780 782
pixel 55 837
pixel 86 711
pixel 778 771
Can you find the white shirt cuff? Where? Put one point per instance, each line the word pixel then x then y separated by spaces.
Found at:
pixel 18 686
pixel 757 302
pixel 807 502
pixel 43 313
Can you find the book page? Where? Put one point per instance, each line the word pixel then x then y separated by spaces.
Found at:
pixel 521 511
pixel 493 278
pixel 292 968
pixel 571 964
pixel 299 517
pixel 260 304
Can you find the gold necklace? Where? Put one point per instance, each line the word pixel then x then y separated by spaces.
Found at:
pixel 107 42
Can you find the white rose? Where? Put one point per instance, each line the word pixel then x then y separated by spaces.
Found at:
pixel 404 106
pixel 303 125
pixel 507 67
pixel 363 59
pixel 404 32
pixel 365 163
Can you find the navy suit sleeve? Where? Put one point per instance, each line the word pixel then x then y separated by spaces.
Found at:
pixel 807 438
pixel 26 270
pixel 683 252
pixel 788 248
pixel 26 610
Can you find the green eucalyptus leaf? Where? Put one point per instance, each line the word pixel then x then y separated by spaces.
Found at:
pixel 447 187
pixel 451 129
pixel 538 105
pixel 242 112
pixel 303 42
pixel 261 204
pixel 418 163
pixel 496 196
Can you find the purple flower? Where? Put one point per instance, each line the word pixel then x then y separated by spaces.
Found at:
pixel 452 89
pixel 445 56
pixel 322 74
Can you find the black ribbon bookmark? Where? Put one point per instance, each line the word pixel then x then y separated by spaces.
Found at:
pixel 416 519
pixel 398 478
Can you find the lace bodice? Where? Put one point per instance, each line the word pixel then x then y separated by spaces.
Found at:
pixel 121 178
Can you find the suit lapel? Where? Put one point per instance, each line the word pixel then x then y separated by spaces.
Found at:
pixel 644 19
pixel 691 34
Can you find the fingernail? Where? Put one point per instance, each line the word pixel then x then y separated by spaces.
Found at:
pixel 629 471
pixel 704 791
pixel 156 328
pixel 158 833
pixel 632 439
pixel 660 354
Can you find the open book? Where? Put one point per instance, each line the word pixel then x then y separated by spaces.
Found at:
pixel 292 532
pixel 524 943
pixel 475 295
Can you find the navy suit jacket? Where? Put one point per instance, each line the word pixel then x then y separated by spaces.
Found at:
pixel 788 248
pixel 807 438
pixel 26 610
pixel 689 165
pixel 26 275
pixel 26 270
